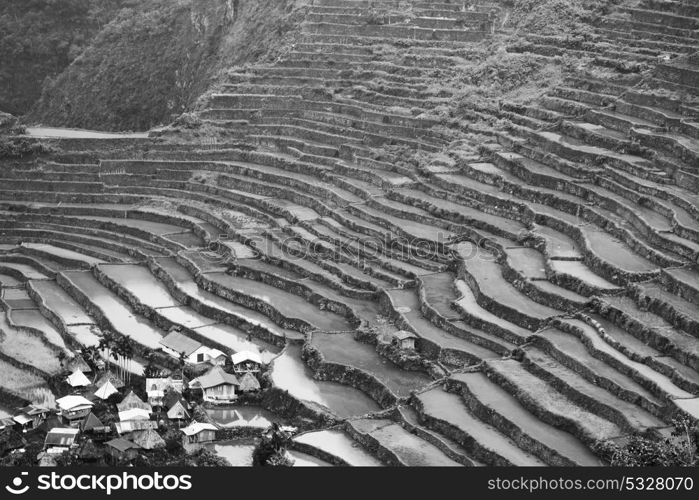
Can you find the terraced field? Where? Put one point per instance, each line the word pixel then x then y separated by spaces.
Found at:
pixel 549 267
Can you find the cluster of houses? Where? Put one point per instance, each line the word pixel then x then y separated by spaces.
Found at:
pixel 138 420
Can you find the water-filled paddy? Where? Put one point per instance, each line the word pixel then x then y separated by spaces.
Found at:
pixel 343 349
pixel 116 310
pixel 243 416
pixel 289 373
pixel 58 301
pixel 339 444
pixel 291 306
pixel 238 452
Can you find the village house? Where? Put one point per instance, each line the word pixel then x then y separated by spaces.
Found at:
pixel 249 383
pixel 404 339
pixel 77 379
pixel 157 387
pixel 176 406
pixel 60 439
pixel 147 439
pixel 112 379
pixel 196 435
pixel 31 417
pixel 134 414
pixel 106 390
pixel 132 401
pixel 23 422
pixel 73 409
pixel 125 428
pixel 176 343
pixel 217 386
pixel 246 362
pixel 121 449
pixel 93 425
pixel 77 362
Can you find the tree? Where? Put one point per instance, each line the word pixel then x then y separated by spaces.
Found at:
pixel 272 449
pixel 126 350
pixel 680 449
pixel 206 458
pixel 116 355
pixel 182 363
pixel 91 354
pixel 151 369
pixel 106 343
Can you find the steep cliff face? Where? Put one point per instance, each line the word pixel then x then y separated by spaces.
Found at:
pixel 40 38
pixel 152 61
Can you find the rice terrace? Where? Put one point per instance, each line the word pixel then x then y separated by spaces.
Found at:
pixel 380 232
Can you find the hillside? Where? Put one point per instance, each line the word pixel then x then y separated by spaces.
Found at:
pixel 480 216
pixel 152 61
pixel 40 38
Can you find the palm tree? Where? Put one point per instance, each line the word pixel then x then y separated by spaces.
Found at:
pixel 127 350
pixel 182 361
pixel 151 369
pixel 93 354
pixel 116 353
pixel 106 343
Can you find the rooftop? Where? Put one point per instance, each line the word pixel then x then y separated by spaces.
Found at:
pixel 197 427
pixel 122 444
pixel 243 356
pixel 179 342
pixel 214 377
pixel 73 402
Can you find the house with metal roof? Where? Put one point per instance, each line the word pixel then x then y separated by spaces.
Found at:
pixel 129 426
pixel 30 417
pixel 197 434
pixel 73 409
pixel 61 437
pixel 134 414
pixel 175 343
pixel 246 362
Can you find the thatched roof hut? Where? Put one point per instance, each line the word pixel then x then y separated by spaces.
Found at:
pixel 148 439
pixel 132 401
pixel 249 383
pixel 110 377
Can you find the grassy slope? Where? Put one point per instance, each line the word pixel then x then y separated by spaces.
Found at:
pixel 151 63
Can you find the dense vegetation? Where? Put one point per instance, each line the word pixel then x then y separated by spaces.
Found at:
pixel 156 58
pixel 680 449
pixel 558 17
pixel 39 39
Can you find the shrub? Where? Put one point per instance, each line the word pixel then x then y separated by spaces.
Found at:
pixel 20 147
pixel 680 449
pixel 557 17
